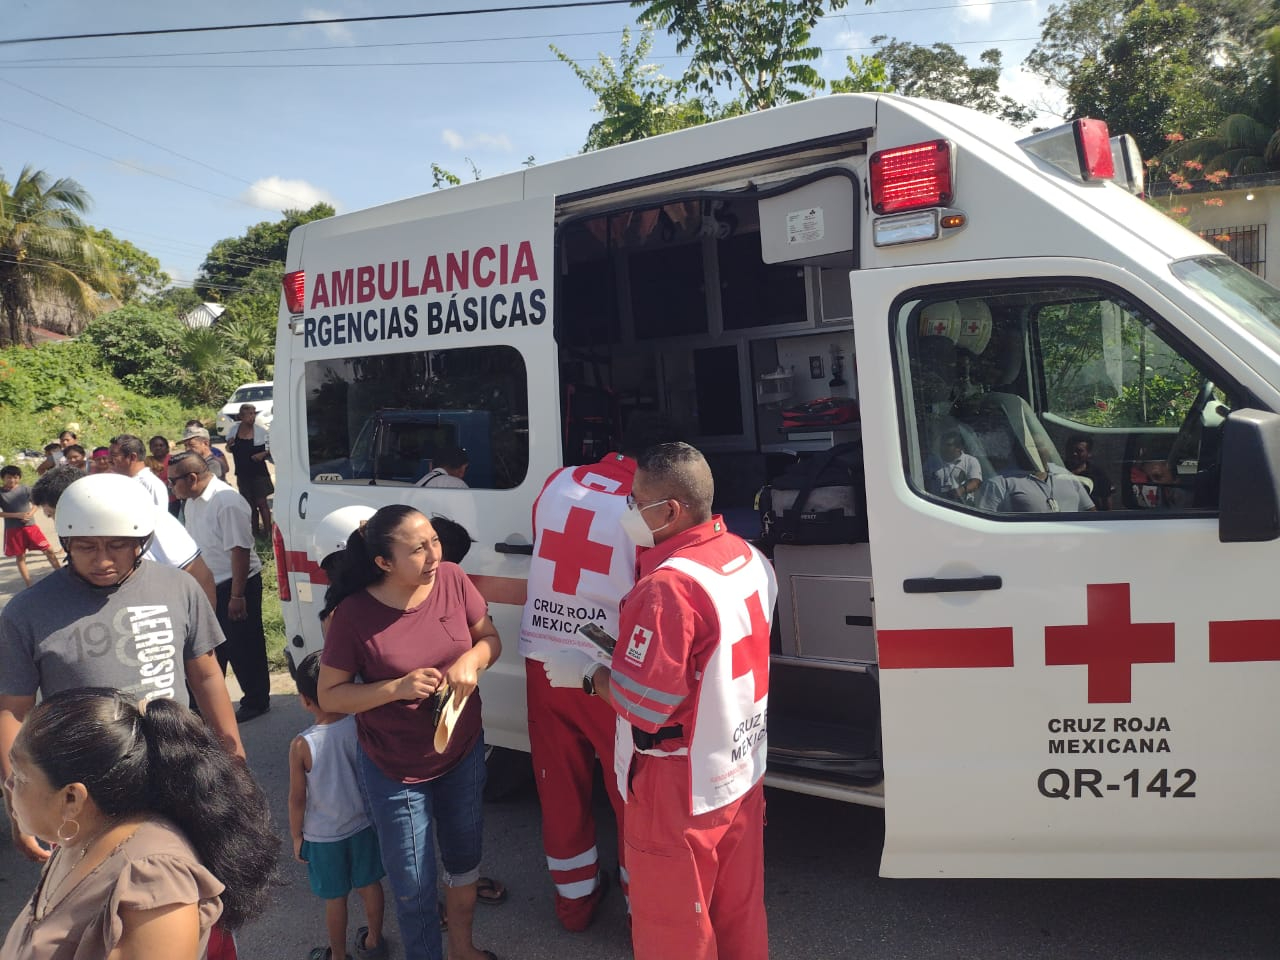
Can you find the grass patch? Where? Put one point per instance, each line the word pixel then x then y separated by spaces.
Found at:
pixel 46 389
pixel 272 617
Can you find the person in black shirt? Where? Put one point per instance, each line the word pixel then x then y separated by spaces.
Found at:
pixel 1079 462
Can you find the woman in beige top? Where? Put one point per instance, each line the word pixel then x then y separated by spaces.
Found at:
pixel 159 832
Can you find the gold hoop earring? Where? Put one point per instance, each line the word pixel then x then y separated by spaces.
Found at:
pixel 68 840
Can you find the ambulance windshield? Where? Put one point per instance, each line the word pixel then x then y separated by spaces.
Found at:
pixel 1243 296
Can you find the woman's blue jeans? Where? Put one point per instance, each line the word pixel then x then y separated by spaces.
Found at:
pixel 404 816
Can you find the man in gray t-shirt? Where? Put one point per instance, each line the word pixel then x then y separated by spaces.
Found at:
pixel 1050 492
pixel 109 619
pixel 63 633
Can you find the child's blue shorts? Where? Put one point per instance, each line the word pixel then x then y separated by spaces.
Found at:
pixel 336 868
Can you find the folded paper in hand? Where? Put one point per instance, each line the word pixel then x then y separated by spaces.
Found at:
pixel 447 710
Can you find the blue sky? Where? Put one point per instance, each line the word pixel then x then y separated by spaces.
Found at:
pixel 182 140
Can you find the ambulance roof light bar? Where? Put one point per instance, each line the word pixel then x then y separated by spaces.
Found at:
pixel 912 177
pixel 1127 158
pixel 295 290
pixel 1081 148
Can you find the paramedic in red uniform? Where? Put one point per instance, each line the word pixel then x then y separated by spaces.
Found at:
pixel 582 560
pixel 690 676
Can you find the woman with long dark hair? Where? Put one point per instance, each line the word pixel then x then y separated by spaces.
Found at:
pixel 410 625
pixel 160 832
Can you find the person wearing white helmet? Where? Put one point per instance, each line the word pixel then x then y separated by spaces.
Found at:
pixel 329 540
pixel 170 545
pixel 107 619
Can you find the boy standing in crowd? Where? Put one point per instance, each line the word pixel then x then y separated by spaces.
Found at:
pixel 20 531
pixel 332 834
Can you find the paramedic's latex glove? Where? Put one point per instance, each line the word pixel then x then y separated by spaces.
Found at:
pixel 566 668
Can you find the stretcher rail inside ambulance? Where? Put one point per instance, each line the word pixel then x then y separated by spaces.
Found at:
pixel 1007 434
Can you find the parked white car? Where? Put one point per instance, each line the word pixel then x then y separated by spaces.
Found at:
pixel 259 394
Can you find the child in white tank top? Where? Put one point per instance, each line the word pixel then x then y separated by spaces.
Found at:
pixel 331 832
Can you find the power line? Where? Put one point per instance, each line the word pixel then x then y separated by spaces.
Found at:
pixel 126 163
pixel 336 46
pixel 322 21
pixel 150 143
pixel 460 40
pixel 429 63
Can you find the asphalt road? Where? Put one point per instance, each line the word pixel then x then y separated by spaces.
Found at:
pixel 824 897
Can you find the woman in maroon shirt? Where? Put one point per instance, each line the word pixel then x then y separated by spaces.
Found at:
pixel 409 624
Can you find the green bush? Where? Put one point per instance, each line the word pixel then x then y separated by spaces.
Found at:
pixel 140 346
pixel 45 389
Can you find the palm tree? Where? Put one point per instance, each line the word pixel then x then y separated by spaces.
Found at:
pixel 1239 144
pixel 254 340
pixel 208 370
pixel 47 255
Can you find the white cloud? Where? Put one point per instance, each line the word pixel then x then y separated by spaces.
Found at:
pixel 337 32
pixel 483 141
pixel 974 11
pixel 277 193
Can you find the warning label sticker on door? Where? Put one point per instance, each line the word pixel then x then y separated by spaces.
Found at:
pixel 805 226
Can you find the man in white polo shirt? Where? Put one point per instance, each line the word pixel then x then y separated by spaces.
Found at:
pixel 217 518
pixel 129 457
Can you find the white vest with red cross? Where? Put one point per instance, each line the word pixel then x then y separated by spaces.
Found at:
pixel 729 739
pixel 583 562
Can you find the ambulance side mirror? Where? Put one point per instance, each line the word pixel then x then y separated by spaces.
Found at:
pixel 1249 498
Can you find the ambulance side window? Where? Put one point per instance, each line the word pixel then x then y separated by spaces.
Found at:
pixel 1050 397
pixel 442 419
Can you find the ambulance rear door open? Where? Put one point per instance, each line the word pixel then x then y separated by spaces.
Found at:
pixel 424 328
pixel 1063 693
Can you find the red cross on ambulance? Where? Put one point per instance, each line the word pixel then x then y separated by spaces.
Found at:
pixel 1109 644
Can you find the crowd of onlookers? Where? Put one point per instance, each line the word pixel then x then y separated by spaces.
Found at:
pixel 248 445
pixel 156 840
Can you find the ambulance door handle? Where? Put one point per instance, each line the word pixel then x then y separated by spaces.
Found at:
pixel 951 584
pixel 522 548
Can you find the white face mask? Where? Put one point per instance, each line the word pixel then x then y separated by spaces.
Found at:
pixel 634 526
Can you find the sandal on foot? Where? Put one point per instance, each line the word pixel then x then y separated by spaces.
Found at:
pixel 369 953
pixel 490 891
pixel 324 953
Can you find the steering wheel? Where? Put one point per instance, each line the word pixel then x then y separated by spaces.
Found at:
pixel 1188 439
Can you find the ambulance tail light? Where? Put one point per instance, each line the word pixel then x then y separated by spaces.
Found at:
pixel 295 290
pixel 1081 148
pixel 909 178
pixel 282 562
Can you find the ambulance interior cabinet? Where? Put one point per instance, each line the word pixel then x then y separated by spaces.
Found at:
pixel 825 602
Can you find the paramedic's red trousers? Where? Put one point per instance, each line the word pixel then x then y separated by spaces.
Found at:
pixel 697 883
pixel 567 729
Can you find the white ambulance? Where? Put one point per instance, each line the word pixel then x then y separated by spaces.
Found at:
pixel 1030 687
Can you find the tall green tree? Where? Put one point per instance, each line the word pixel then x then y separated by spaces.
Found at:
pixel 48 257
pixel 1150 78
pixel 761 50
pixel 1155 67
pixel 866 75
pixel 634 99
pixel 137 272
pixel 937 72
pixel 230 261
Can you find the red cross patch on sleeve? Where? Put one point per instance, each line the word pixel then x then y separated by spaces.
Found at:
pixel 638 645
